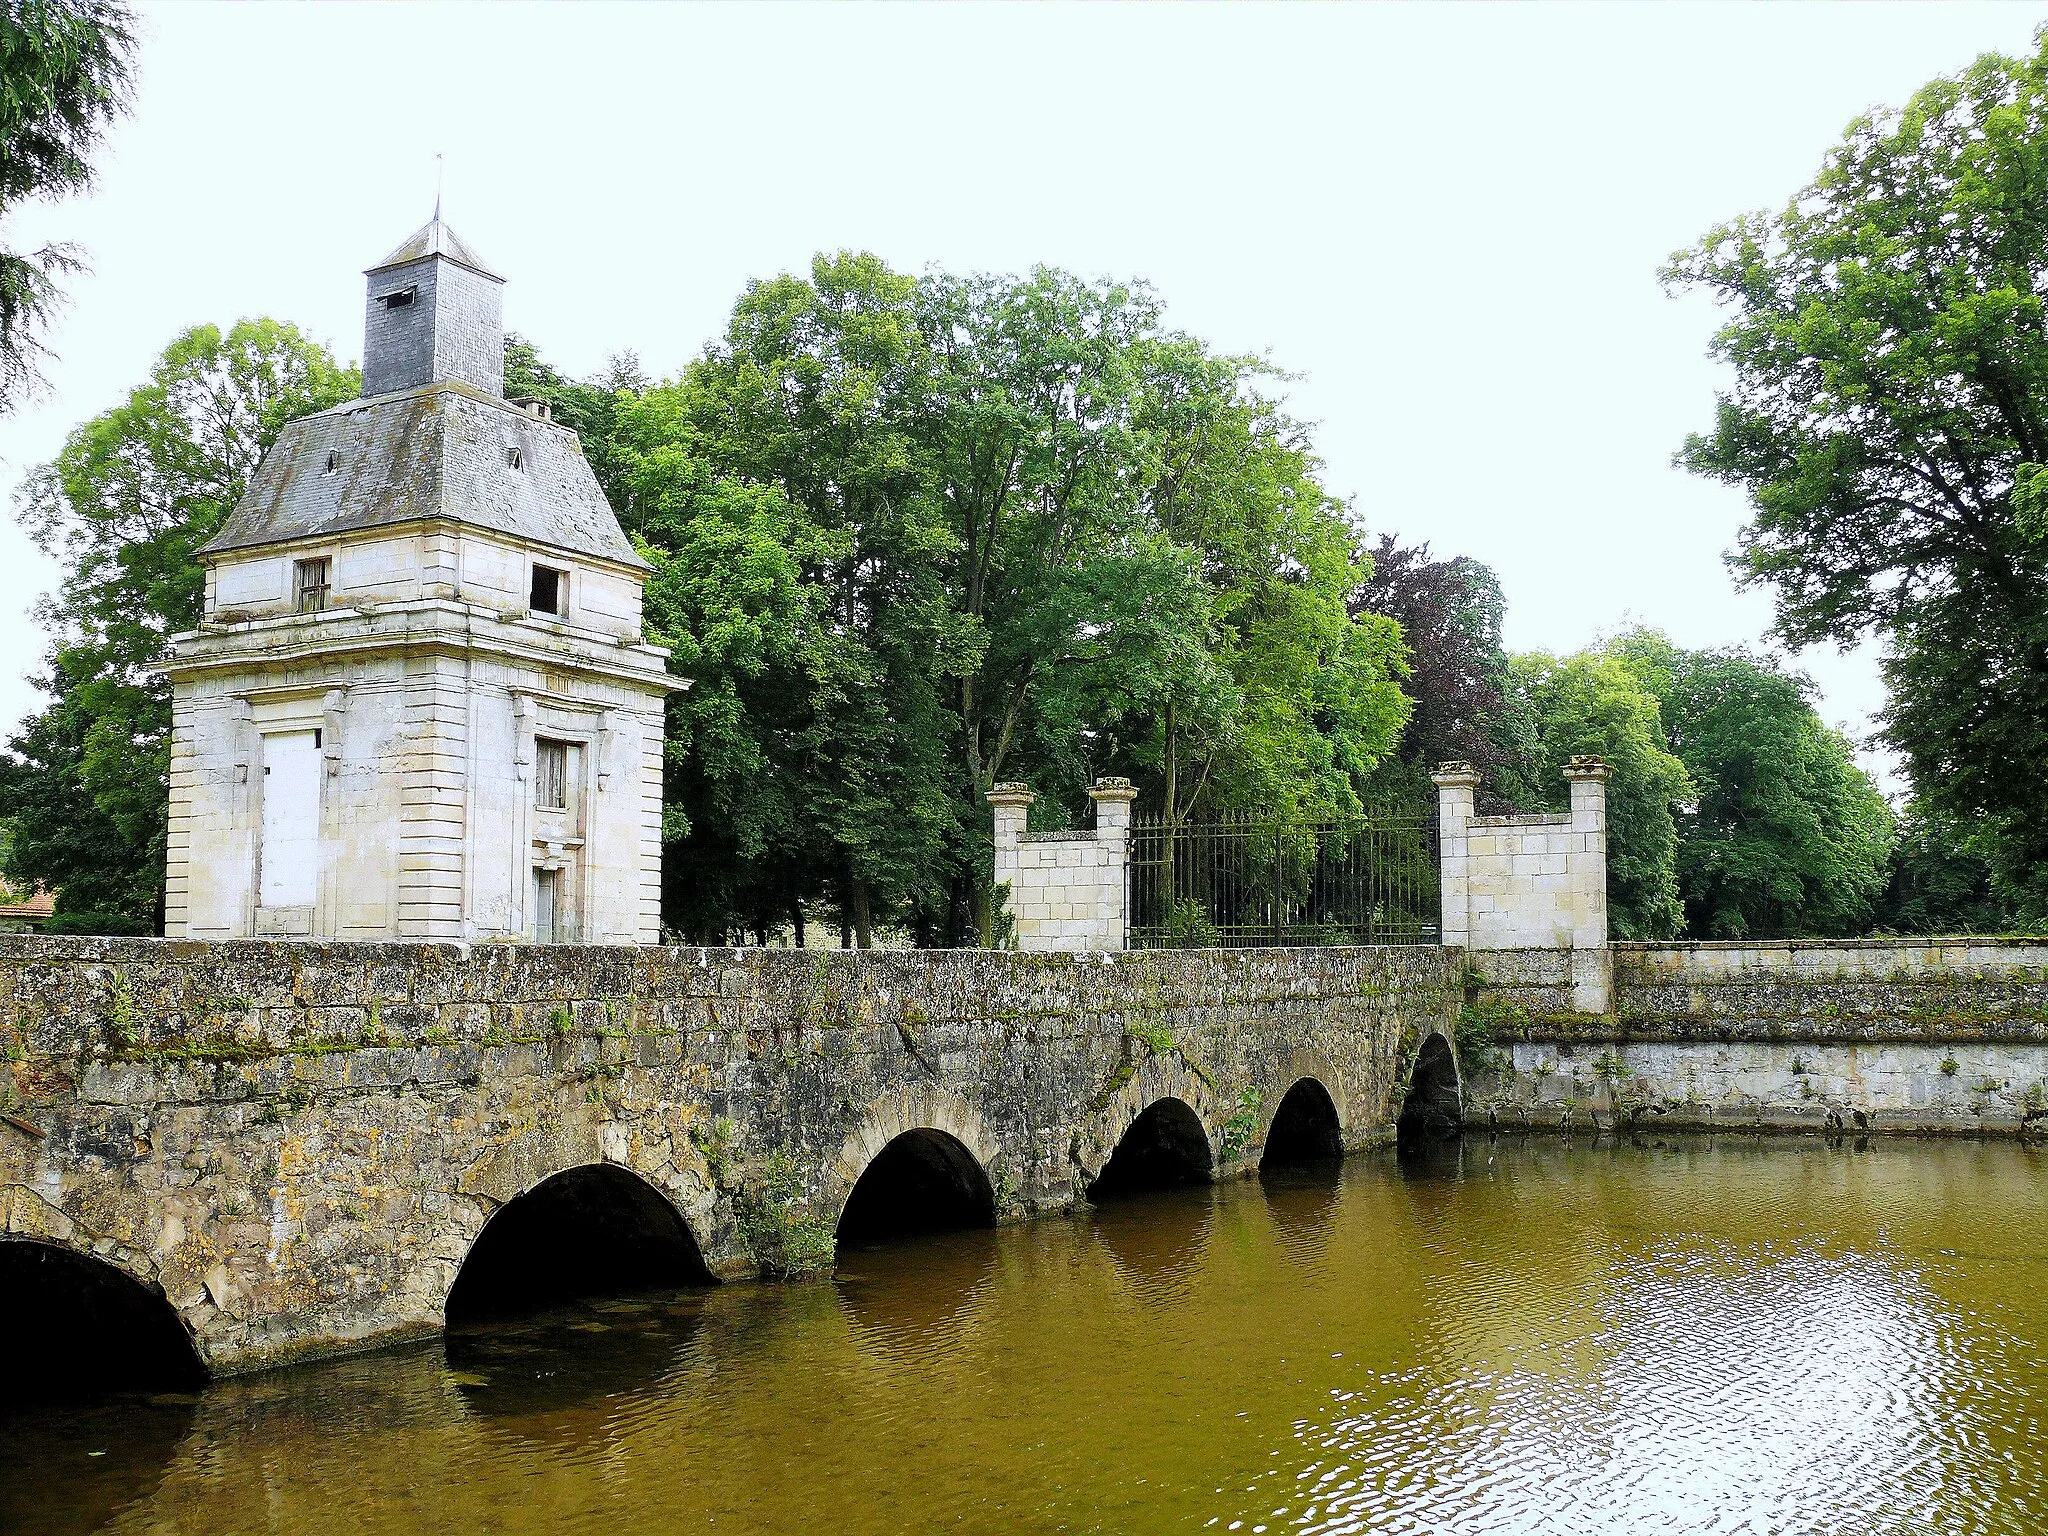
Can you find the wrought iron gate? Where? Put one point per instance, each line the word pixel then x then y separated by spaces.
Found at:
pixel 1245 880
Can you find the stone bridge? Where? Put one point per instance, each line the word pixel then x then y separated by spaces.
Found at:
pixel 227 1156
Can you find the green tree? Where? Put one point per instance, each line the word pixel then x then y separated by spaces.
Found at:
pixel 64 78
pixel 1450 612
pixel 1148 575
pixel 123 508
pixel 1288 697
pixel 802 579
pixel 1784 835
pixel 1595 703
pixel 1940 881
pixel 1886 416
pixel 976 529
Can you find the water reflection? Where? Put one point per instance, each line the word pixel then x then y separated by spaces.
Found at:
pixel 1302 1203
pixel 902 1295
pixel 1157 1239
pixel 563 1377
pixel 1529 1335
pixel 70 1470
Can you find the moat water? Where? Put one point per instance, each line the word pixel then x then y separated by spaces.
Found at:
pixel 1726 1335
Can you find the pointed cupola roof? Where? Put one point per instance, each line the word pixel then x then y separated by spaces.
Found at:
pixel 433 436
pixel 435 238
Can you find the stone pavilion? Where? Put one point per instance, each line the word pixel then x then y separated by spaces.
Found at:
pixel 420 704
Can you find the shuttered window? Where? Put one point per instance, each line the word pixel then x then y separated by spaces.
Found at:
pixel 312 585
pixel 551 775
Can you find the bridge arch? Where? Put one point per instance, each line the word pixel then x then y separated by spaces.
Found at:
pixel 1306 1126
pixel 80 1324
pixel 1159 1078
pixel 597 1228
pixel 918 1162
pixel 1434 1107
pixel 1154 1132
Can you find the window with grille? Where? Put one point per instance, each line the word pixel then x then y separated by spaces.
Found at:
pixel 551 775
pixel 312 585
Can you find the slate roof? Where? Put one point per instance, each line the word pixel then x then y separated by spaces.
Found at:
pixel 436 239
pixel 441 451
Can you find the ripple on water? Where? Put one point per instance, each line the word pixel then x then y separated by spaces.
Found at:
pixel 1517 1337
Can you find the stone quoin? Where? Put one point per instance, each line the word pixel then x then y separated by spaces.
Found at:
pixel 420 704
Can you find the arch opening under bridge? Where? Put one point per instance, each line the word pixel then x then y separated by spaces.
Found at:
pixel 593 1230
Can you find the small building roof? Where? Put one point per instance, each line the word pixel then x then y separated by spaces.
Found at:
pixel 435 238
pixel 446 450
pixel 34 907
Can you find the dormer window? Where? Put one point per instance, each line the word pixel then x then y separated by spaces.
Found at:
pixel 333 460
pixel 512 459
pixel 402 299
pixel 310 582
pixel 550 593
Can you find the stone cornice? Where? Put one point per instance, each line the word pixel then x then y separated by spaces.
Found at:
pixel 450 629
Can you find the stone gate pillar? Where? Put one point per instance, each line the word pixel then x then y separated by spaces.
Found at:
pixel 1531 882
pixel 1592 961
pixel 1011 805
pixel 1068 890
pixel 1455 785
pixel 1113 799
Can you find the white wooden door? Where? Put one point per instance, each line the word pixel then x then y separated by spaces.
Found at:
pixel 546 884
pixel 291 818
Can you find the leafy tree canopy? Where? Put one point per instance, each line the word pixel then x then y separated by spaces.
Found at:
pixel 64 77
pixel 1783 836
pixel 1941 881
pixel 134 493
pixel 1595 702
pixel 1450 612
pixel 1888 417
pixel 917 535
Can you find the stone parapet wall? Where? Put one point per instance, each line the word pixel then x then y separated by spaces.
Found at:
pixel 1912 1034
pixel 297 1142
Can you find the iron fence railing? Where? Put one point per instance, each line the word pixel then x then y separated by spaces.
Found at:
pixel 1246 880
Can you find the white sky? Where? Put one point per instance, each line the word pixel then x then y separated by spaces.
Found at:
pixel 1447 220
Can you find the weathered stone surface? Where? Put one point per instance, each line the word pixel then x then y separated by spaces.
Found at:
pixel 1530 883
pixel 298 1142
pixel 1920 1035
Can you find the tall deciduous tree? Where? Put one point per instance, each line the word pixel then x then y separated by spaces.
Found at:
pixel 1594 703
pixel 1292 700
pixel 807 415
pixel 1940 881
pixel 134 493
pixel 982 528
pixel 64 77
pixel 1450 612
pixel 1888 416
pixel 1783 836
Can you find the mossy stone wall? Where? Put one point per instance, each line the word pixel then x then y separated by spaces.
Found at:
pixel 1917 1035
pixel 297 1142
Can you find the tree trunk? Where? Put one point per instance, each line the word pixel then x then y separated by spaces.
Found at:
pixel 863 919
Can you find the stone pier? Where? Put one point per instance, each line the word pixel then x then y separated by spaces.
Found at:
pixel 295 1144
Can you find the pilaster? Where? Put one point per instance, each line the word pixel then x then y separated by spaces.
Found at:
pixel 1456 784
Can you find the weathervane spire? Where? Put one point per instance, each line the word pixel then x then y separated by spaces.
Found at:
pixel 437 186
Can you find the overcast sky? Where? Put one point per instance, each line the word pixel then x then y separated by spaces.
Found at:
pixel 1446 220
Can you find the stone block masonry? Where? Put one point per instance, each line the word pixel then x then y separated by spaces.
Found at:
pixel 1067 890
pixel 1531 882
pixel 296 1142
pixel 1912 1035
